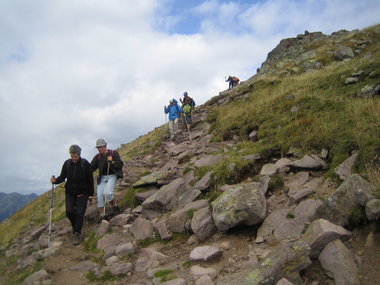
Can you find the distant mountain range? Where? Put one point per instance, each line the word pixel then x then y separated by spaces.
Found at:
pixel 12 202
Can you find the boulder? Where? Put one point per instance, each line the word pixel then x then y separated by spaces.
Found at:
pixel 117 269
pixel 187 197
pixel 309 162
pixel 283 163
pixel 176 221
pixel 205 182
pixel 37 277
pixel 297 194
pixel 112 259
pixel 124 249
pixel 165 198
pixel 207 160
pixel 351 80
pixel 281 262
pixel 341 204
pixel 202 224
pixel 204 280
pixel 86 266
pixel 45 253
pixel 149 258
pixel 142 196
pixel 297 180
pixel 154 178
pixel 103 228
pixel 142 229
pixel 284 281
pixel 109 241
pixel 252 157
pixel 163 230
pixel 289 223
pixel 197 271
pixel 205 253
pixel 240 204
pixel 343 52
pixel 320 233
pixel 175 150
pixel 269 169
pixel 344 170
pixel 339 263
pixel 372 209
pixel 121 220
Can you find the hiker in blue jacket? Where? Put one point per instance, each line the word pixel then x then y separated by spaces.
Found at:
pixel 174 111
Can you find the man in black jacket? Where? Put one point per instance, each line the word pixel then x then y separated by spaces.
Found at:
pixel 79 186
pixel 110 168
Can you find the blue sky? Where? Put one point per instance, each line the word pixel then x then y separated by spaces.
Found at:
pixel 73 71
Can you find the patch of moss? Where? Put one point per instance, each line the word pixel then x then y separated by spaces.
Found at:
pixel 164 275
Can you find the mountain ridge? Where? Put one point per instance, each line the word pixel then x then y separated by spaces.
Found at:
pixel 12 202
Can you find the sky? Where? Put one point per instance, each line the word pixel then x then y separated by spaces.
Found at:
pixel 75 71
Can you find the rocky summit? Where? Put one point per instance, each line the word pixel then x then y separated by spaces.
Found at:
pixel 276 183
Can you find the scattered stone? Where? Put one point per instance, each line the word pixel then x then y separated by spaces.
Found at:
pixel 149 258
pixel 176 149
pixel 142 229
pixel 34 234
pixel 204 280
pixel 112 259
pixel 295 181
pixel 370 240
pixel 202 224
pixel 188 197
pixel 372 209
pixel 205 253
pixel 339 263
pixel 283 163
pixel 124 249
pixel 226 245
pixel 103 228
pixel 207 160
pixel 361 197
pixel 252 157
pixel 205 182
pixel 325 153
pixel 351 80
pixel 45 253
pixel 178 281
pixel 253 136
pixel 343 52
pixel 109 241
pixel 240 204
pixel 192 240
pixel 320 233
pixel 26 262
pixel 36 277
pixel 163 230
pixel 155 178
pixel 284 281
pixel 283 261
pixel 142 196
pixel 259 240
pixel 307 189
pixel 86 266
pixel 269 169
pixel 344 170
pixel 197 271
pixel 308 162
pixel 117 269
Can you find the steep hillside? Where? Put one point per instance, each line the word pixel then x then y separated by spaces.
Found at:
pixel 278 179
pixel 12 202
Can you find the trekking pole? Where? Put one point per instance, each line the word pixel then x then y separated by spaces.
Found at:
pixel 51 211
pixel 106 191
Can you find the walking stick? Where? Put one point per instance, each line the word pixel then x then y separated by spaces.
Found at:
pixel 106 191
pixel 51 211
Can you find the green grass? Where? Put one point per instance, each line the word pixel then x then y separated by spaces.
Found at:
pixel 164 275
pixel 190 213
pixel 89 244
pixel 147 242
pixel 106 276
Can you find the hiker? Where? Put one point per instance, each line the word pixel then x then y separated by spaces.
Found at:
pixel 232 81
pixel 110 167
pixel 79 186
pixel 174 112
pixel 188 104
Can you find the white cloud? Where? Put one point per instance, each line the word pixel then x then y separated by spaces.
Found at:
pixel 74 71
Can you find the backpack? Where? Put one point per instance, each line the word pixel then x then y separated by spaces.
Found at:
pixel 235 79
pixel 187 109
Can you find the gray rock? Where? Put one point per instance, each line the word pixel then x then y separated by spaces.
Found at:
pixel 205 182
pixel 240 204
pixel 269 169
pixel 202 224
pixel 320 233
pixel 178 281
pixel 351 80
pixel 124 249
pixel 283 163
pixel 197 271
pixel 34 234
pixel 117 269
pixel 204 280
pixel 205 253
pixel 372 209
pixel 165 198
pixel 175 150
pixel 112 259
pixel 149 258
pixel 153 179
pixel 307 162
pixel 187 197
pixel 207 160
pixel 344 170
pixel 297 194
pixel 109 241
pixel 85 266
pixel 284 281
pixel 103 228
pixel 45 253
pixel 25 262
pixel 142 229
pixel 343 52
pixel 176 221
pixel 142 196
pixel 339 263
pixel 252 157
pixel 341 204
pixel 361 197
pixel 163 230
pixel 295 181
pixel 264 183
pixel 253 136
pixel 288 223
pixel 36 277
pixel 283 261
pixel 324 153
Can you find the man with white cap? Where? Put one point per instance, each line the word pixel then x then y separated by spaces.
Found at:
pixel 110 168
pixel 174 111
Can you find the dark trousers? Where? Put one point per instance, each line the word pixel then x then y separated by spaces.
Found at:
pixel 75 209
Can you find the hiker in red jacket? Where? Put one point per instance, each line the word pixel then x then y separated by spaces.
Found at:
pixel 232 81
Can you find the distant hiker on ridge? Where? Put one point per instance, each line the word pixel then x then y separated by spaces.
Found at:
pixel 175 112
pixel 79 186
pixel 232 81
pixel 188 104
pixel 110 168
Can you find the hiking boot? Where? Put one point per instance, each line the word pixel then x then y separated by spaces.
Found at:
pixel 76 238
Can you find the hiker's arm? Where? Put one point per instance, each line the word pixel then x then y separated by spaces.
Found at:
pixel 166 109
pixel 62 177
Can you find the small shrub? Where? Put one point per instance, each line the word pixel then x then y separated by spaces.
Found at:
pixel 129 199
pixel 290 216
pixel 147 242
pixel 89 244
pixel 106 276
pixel 275 182
pixel 187 170
pixel 164 275
pixel 190 213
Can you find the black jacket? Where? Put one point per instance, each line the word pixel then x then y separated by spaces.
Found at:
pixel 100 162
pixel 79 177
